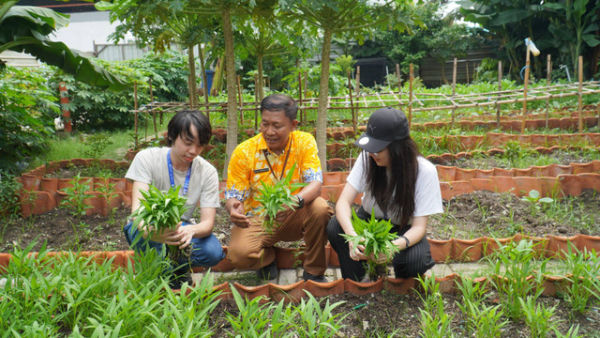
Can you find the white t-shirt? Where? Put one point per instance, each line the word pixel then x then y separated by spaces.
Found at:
pixel 428 196
pixel 150 166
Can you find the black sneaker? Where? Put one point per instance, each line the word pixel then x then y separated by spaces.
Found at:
pixel 309 276
pixel 268 272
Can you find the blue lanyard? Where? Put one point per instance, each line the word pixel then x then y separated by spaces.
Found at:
pixel 186 184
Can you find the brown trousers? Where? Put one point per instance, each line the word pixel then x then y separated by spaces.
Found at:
pixel 252 248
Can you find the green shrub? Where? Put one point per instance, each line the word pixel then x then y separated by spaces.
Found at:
pixel 95 109
pixel 27 110
pixel 168 71
pixel 9 200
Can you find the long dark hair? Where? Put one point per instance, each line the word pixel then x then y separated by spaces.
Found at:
pixel 401 185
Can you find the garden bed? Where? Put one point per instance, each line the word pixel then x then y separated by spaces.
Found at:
pixel 467 216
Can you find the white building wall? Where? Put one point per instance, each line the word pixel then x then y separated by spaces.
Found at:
pixel 86 28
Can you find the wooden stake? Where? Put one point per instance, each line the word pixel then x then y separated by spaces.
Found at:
pixel 548 79
pixel 300 96
pixel 357 87
pixel 454 69
pixel 152 108
pixel 499 89
pixel 305 88
pixel 135 118
pixel 579 95
pixel 241 99
pixel 256 103
pixel 410 93
pixel 354 117
pixel 399 80
pixel 526 80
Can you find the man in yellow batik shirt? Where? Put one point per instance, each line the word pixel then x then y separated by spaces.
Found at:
pixel 268 157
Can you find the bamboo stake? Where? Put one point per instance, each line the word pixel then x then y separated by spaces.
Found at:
pixel 399 80
pixel 579 96
pixel 241 99
pixel 548 79
pixel 152 108
pixel 135 119
pixel 410 94
pixel 354 117
pixel 300 96
pixel 454 69
pixel 526 80
pixel 357 87
pixel 256 103
pixel 305 87
pixel 499 89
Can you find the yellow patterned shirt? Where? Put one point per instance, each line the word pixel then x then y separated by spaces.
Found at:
pixel 248 166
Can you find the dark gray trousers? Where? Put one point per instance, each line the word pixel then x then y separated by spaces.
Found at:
pixel 411 262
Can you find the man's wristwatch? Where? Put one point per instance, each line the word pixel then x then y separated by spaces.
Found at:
pixel 300 202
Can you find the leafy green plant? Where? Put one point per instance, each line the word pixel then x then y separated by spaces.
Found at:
pixel 435 322
pixel 275 198
pixel 584 283
pixel 9 199
pixel 76 196
pixel 96 144
pixel 537 317
pixel 252 318
pixel 536 201
pixel 516 274
pixel 28 107
pixel 160 211
pixel 107 191
pixel 482 320
pixel 376 238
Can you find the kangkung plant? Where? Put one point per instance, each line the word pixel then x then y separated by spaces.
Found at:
pixel 159 212
pixel 517 275
pixel 374 235
pixel 76 196
pixel 584 266
pixel 276 198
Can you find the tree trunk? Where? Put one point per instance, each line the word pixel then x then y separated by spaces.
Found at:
pixel 232 123
pixel 204 79
pixel 261 93
pixel 192 77
pixel 323 100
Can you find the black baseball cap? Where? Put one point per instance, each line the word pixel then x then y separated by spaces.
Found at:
pixel 385 125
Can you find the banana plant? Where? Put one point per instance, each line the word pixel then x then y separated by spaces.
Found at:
pixel 26 29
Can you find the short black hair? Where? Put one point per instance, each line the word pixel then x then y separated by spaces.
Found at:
pixel 182 122
pixel 280 102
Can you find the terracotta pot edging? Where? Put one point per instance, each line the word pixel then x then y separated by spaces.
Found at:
pixel 296 291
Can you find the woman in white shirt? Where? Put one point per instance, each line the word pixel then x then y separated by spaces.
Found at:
pixel 399 185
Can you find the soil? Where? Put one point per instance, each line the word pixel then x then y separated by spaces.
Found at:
pixel 386 314
pixel 473 215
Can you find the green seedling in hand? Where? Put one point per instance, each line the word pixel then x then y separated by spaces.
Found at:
pixel 277 197
pixel 374 235
pixel 160 212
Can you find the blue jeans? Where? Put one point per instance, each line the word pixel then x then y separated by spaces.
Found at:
pixel 206 251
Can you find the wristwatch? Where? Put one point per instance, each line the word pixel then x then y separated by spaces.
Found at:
pixel 300 202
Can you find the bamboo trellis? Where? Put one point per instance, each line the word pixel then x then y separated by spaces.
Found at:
pixel 408 101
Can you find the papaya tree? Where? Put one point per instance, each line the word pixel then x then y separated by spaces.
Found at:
pixel 356 18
